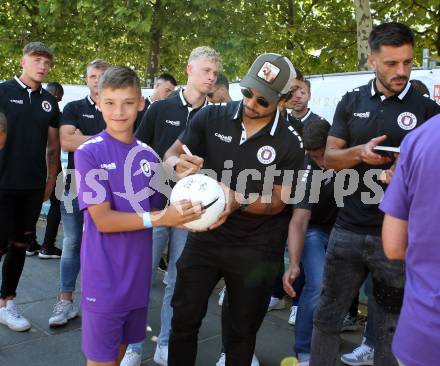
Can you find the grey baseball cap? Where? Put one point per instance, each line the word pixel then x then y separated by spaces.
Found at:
pixel 271 74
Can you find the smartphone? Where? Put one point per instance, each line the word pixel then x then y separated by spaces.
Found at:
pixel 386 150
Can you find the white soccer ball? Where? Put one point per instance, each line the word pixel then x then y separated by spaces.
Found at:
pixel 200 188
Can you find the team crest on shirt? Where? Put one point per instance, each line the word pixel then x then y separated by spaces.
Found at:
pixel 407 121
pixel 145 167
pixel 47 107
pixel 266 154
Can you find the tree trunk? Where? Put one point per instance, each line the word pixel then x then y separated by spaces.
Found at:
pixel 154 54
pixel 364 25
pixel 290 23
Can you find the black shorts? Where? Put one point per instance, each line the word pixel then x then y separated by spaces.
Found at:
pixel 19 212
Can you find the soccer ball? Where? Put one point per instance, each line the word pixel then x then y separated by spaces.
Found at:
pixel 200 188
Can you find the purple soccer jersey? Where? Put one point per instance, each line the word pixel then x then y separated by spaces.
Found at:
pixel 413 196
pixel 115 267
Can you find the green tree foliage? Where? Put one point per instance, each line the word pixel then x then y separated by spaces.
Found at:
pixel 154 36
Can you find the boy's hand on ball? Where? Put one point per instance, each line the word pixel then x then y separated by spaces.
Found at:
pixel 188 164
pixel 181 212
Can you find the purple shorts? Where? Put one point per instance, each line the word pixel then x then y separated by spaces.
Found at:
pixel 103 333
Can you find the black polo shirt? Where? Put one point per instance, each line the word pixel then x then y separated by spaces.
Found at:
pixel 322 203
pixel 141 114
pixel 363 114
pixel 84 115
pixel 299 123
pixel 29 115
pixel 164 121
pixel 217 134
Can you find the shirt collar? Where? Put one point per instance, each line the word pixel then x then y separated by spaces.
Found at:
pixel 239 112
pixel 149 99
pixel 185 103
pixel 24 86
pixel 401 95
pixel 307 115
pixel 90 100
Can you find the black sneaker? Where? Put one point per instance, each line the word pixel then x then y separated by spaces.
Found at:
pixel 51 253
pixel 33 248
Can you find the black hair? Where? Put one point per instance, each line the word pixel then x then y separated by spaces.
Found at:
pixel 119 77
pixel 420 86
pixel 222 80
pixel 168 77
pixel 315 134
pixel 56 89
pixel 390 34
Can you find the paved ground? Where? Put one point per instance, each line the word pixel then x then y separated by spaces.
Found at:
pixel 43 346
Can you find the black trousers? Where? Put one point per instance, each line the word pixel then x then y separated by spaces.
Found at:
pixel 19 211
pixel 52 223
pixel 249 273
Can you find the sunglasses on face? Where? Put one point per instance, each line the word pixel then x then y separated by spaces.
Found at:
pixel 247 93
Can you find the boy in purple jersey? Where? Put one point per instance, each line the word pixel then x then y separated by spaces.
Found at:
pixel 411 232
pixel 114 172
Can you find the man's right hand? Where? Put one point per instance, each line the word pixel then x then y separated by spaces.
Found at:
pixel 289 278
pixel 188 164
pixel 371 158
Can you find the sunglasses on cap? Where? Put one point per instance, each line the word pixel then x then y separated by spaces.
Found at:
pixel 247 93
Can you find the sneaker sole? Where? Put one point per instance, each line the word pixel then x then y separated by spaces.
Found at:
pixel 48 256
pixel 29 254
pixel 357 363
pixel 15 328
pixel 60 324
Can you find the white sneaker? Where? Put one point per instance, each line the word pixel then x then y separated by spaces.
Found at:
pixel 11 317
pixel 165 278
pixel 63 311
pixel 131 358
pixel 222 360
pixel 221 295
pixel 161 355
pixel 292 316
pixel 276 304
pixel 362 355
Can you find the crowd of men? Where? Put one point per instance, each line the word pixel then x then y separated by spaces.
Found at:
pixel 334 248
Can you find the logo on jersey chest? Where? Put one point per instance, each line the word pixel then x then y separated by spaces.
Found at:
pixel 266 154
pixel 172 123
pixel 407 121
pixel 145 167
pixel 47 107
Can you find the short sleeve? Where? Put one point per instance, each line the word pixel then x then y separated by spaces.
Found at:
pixel 158 200
pixel 93 187
pixel 396 201
pixel 145 131
pixel 69 116
pixel 194 134
pixel 339 127
pixel 55 120
pixel 294 160
pixel 305 184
